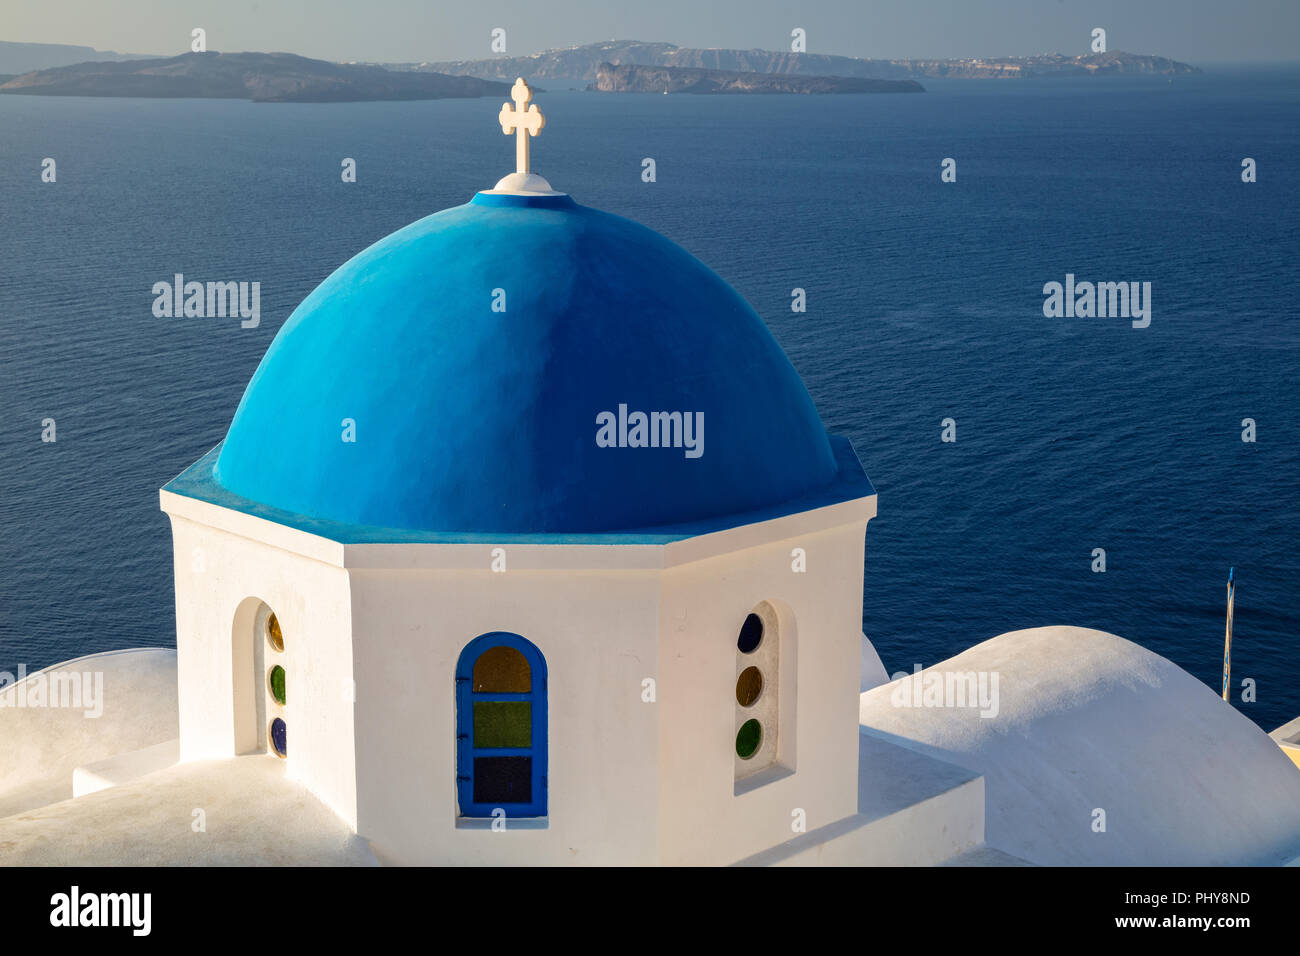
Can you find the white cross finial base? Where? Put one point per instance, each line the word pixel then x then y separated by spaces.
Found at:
pixel 523 184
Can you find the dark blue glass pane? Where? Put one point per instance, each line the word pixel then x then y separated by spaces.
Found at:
pixel 277 737
pixel 503 779
pixel 751 634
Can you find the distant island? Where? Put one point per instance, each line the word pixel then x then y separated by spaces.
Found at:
pixel 261 77
pixel 615 66
pixel 19 58
pixel 684 79
pixel 579 65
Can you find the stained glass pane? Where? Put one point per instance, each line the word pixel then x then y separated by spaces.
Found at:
pixel 502 670
pixel 503 779
pixel 276 680
pixel 751 634
pixel 273 634
pixel 277 734
pixel 749 739
pixel 748 686
pixel 503 723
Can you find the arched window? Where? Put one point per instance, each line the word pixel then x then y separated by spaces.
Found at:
pixel 259 666
pixel 761 714
pixel 501 727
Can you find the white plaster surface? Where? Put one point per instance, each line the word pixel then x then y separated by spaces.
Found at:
pixel 253 815
pixel 871 671
pixel 115 771
pixel 912 810
pixel 42 746
pixel 596 632
pixel 1089 720
pixel 222 576
pixel 703 817
pixel 522 184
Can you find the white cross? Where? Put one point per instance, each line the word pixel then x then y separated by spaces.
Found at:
pixel 525 120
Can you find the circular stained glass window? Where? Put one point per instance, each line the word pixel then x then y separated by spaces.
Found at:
pixel 749 739
pixel 748 686
pixel 751 634
pixel 273 635
pixel 275 681
pixel 277 735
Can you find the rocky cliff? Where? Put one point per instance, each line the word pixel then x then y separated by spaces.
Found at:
pixel 578 65
pixel 679 79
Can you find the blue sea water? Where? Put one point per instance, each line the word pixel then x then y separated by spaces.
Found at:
pixel 924 302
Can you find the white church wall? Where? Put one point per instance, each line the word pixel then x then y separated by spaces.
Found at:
pixel 641 737
pixel 597 633
pixel 706 815
pixel 221 578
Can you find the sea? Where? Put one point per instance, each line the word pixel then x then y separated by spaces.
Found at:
pixel 924 302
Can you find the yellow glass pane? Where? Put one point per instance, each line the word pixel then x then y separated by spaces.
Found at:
pixel 748 686
pixel 273 634
pixel 502 670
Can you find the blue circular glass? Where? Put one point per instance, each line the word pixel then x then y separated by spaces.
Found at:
pixel 277 737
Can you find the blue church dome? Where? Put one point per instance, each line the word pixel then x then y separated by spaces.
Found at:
pixel 490 363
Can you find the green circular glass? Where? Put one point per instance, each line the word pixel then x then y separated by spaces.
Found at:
pixel 276 681
pixel 748 739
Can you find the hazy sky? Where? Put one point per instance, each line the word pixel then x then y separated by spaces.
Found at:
pixel 402 30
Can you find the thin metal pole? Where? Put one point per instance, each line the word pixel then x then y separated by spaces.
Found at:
pixel 1227 636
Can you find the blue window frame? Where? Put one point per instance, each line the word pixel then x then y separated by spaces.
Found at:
pixel 501 727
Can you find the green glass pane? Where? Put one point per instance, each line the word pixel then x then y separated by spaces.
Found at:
pixel 503 723
pixel 277 684
pixel 502 670
pixel 749 738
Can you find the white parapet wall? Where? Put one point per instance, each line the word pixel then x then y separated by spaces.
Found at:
pixel 79 712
